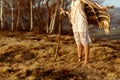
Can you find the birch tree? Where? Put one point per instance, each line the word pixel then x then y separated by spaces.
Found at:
pixel 51 15
pixel 53 19
pixel 1 15
pixel 48 16
pixel 12 23
pixel 18 16
pixel 31 15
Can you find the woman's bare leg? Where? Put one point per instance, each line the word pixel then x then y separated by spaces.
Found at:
pixel 79 48
pixel 86 49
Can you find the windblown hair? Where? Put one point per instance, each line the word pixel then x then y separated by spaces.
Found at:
pixel 97 17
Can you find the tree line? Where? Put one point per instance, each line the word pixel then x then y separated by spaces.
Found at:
pixel 31 15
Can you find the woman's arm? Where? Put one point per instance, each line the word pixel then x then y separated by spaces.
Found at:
pixel 63 11
pixel 92 4
pixel 101 7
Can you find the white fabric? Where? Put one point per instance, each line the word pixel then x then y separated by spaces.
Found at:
pixel 82 38
pixel 78 17
pixel 79 23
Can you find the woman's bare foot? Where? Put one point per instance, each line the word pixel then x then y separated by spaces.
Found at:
pixel 79 59
pixel 85 63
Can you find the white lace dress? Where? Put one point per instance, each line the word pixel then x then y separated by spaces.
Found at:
pixel 79 22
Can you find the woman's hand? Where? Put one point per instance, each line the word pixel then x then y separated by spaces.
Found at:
pixel 62 11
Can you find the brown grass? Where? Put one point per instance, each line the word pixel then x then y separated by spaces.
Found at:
pixel 30 56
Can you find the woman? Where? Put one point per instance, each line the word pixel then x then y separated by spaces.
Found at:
pixel 80 26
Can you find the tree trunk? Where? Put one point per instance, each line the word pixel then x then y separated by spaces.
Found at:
pixel 31 16
pixel 1 2
pixel 18 16
pixel 53 18
pixel 48 17
pixel 12 15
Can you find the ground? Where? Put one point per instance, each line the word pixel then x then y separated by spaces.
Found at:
pixel 31 56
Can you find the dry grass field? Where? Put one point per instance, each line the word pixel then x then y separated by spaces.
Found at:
pixel 30 56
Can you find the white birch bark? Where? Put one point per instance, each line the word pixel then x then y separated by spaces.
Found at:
pixel 1 15
pixel 12 15
pixel 53 18
pixel 31 15
pixel 18 17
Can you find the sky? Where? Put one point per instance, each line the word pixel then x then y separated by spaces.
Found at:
pixel 116 3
